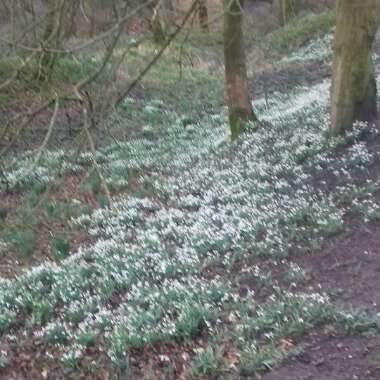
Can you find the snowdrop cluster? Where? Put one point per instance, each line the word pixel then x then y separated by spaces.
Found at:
pixel 318 49
pixel 147 275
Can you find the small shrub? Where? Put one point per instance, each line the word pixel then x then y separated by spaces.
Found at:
pixel 205 363
pixel 73 70
pixel 255 361
pixel 358 321
pixel 60 247
pixel 23 241
pixel 53 210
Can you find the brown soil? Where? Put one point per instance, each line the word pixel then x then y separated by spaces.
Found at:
pixel 347 269
pixel 328 356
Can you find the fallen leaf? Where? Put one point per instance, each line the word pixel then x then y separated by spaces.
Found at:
pixel 286 345
pixel 232 358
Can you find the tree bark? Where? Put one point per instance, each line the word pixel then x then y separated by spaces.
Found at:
pixel 71 9
pixel 54 12
pixel 353 89
pixel 160 22
pixel 284 10
pixel 203 15
pixel 236 86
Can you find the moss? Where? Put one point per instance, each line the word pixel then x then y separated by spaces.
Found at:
pixel 236 84
pixel 238 119
pixel 236 126
pixel 353 88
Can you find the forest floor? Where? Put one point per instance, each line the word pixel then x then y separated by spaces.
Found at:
pixel 348 270
pixel 257 259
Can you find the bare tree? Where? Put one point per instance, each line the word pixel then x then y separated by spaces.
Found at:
pixel 240 110
pixel 353 90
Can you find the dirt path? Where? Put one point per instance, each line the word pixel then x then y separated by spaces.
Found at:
pixel 332 357
pixel 349 267
pixel 348 270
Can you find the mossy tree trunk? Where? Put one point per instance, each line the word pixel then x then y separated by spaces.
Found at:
pixel 54 12
pixel 284 10
pixel 353 90
pixel 236 84
pixel 203 15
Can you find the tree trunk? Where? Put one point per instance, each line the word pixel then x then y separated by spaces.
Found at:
pixel 353 90
pixel 71 9
pixel 203 15
pixel 5 9
pixel 240 109
pixel 53 10
pixel 284 10
pixel 160 21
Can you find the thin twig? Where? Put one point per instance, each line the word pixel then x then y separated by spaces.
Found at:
pixel 118 25
pixel 44 143
pixel 92 147
pixel 158 55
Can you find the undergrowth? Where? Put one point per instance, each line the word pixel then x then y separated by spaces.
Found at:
pixel 167 252
pixel 297 33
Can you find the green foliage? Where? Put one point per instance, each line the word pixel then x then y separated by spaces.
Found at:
pixel 53 210
pixel 86 338
pixel 298 32
pixel 22 240
pixel 3 214
pixel 8 63
pixel 34 191
pixel 191 322
pixel 3 359
pixel 60 211
pixel 162 263
pixel 70 69
pixel 205 362
pixel 93 182
pixel 370 211
pixel 257 360
pixel 358 321
pixel 60 247
pixel 41 313
pixel 55 334
pixel 67 69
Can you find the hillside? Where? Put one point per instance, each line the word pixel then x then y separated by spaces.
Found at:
pixel 212 259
